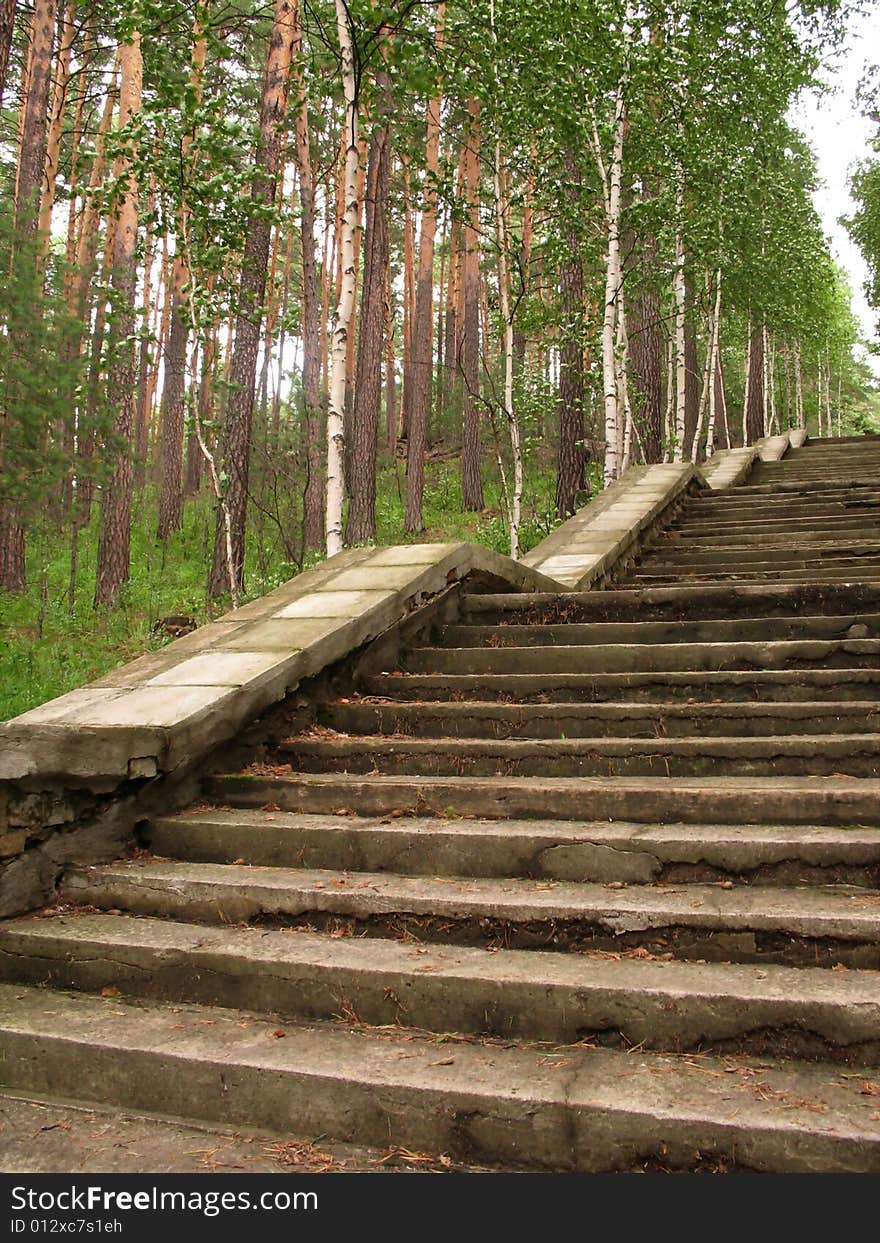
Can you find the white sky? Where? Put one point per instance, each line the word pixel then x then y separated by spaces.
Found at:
pixel 840 136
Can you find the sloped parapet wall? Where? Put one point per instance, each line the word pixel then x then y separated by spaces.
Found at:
pixel 73 772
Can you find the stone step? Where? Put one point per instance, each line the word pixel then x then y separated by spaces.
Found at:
pixel 772 686
pixel 677 602
pixel 779 553
pixel 646 657
pixel 469 719
pixel 520 1106
pixel 776 533
pixel 554 849
pixel 816 925
pixel 677 558
pixel 834 626
pixel 813 501
pixel 705 530
pixel 690 800
pixel 824 487
pixel 822 755
pixel 718 578
pixel 531 995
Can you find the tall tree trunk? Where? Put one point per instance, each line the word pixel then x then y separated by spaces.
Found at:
pixel 313 496
pixel 227 574
pixel 471 476
pixel 7 25
pixel 753 425
pixel 342 317
pixel 173 413
pixel 60 82
pixel 31 157
pixel 680 346
pixel 114 537
pixel 422 332
pixel 367 396
pixel 571 476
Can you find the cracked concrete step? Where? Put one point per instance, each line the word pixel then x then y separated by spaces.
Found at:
pixel 772 686
pixel 559 850
pixel 576 1109
pixel 472 719
pixel 678 602
pixel 822 755
pixel 532 995
pixel 645 657
pixel 690 800
pixel 817 924
pixel 515 634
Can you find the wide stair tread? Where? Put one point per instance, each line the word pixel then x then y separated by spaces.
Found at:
pixel 586 1109
pixel 630 998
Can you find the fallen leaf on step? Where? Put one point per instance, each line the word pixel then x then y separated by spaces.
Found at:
pixel 871 1088
pixel 110 991
pixel 270 807
pixel 444 1061
pixel 279 1034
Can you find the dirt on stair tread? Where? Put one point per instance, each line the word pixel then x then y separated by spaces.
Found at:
pixel 587 1109
pixel 238 892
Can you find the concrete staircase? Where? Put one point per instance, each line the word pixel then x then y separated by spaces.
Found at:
pixel 588 882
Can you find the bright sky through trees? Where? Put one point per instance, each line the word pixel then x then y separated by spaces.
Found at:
pixel 840 134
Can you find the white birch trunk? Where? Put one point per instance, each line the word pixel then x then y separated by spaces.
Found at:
pixel 670 399
pixel 747 384
pixel 678 297
pixel 611 395
pixel 707 396
pixel 343 313
pixel 502 210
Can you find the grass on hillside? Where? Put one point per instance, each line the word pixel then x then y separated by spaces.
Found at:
pixel 45 651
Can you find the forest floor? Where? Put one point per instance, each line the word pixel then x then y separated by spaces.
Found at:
pixel 47 648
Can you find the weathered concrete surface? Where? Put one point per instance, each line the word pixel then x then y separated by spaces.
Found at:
pixel 39 1136
pixel 691 800
pixel 232 893
pixel 175 705
pixel 600 535
pixel 584 1109
pixel 522 994
pixel 579 850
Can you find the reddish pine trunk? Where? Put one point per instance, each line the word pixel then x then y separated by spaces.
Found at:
pixel 313 497
pixel 421 351
pixel 572 457
pixel 31 157
pixel 7 24
pixel 646 357
pixel 754 421
pixel 367 396
pixel 173 407
pixel 471 477
pixel 252 290
pixel 114 537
